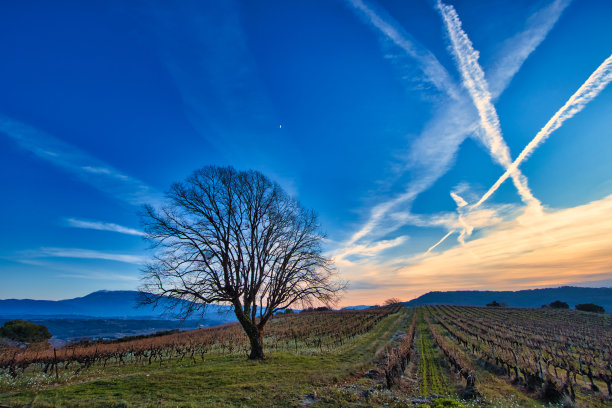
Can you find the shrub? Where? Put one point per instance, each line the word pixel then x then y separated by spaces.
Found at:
pixel 317 309
pixel 590 307
pixel 557 304
pixel 446 403
pixel 23 331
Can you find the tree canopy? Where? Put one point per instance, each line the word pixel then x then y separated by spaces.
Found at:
pixel 228 236
pixel 23 331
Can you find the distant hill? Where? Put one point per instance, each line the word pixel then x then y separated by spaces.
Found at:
pixel 521 298
pixel 358 307
pixel 101 304
pixel 105 314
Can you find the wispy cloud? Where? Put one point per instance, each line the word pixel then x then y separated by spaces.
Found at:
pixel 102 226
pixel 559 247
pixel 574 243
pixel 79 253
pixel 587 92
pixel 207 54
pixel 87 168
pixel 104 276
pixel 478 88
pixel 64 268
pixel 363 250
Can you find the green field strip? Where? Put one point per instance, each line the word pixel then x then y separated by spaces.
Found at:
pixel 432 380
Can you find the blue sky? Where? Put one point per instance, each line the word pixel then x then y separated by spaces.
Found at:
pixel 372 113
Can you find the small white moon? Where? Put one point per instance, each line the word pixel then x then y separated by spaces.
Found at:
pixel 280 126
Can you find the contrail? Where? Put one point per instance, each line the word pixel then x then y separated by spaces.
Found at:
pixel 434 72
pixel 458 199
pixel 516 49
pixel 478 88
pixel 439 242
pixel 589 90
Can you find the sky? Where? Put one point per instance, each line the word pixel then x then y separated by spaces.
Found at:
pixel 445 145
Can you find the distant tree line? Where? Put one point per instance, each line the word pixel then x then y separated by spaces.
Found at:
pixel 124 338
pixel 558 304
pixel 584 307
pixel 316 309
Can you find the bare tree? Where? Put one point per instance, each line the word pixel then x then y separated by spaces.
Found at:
pixel 392 302
pixel 228 236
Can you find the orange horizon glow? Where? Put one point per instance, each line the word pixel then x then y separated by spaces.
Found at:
pixel 557 248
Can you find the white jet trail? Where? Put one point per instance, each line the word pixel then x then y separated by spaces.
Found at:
pixel 474 81
pixel 458 199
pixel 439 242
pixel 434 72
pixel 589 90
pixel 515 50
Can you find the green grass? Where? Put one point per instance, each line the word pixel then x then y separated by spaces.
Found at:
pixel 218 381
pixel 432 379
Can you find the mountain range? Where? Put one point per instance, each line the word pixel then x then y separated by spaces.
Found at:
pixel 521 298
pixel 102 304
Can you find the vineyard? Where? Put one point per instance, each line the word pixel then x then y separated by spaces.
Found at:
pixel 304 333
pixel 554 353
pixel 432 356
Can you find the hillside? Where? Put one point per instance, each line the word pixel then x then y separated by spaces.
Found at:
pixel 100 304
pixel 105 314
pixel 521 298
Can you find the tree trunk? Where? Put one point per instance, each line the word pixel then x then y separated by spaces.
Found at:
pixel 256 339
pixel 254 333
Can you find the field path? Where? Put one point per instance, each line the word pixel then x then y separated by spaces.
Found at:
pixel 427 377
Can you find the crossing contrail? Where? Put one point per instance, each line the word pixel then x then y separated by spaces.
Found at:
pixel 474 81
pixel 444 135
pixel 587 92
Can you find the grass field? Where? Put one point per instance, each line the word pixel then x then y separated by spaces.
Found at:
pixel 349 374
pixel 217 381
